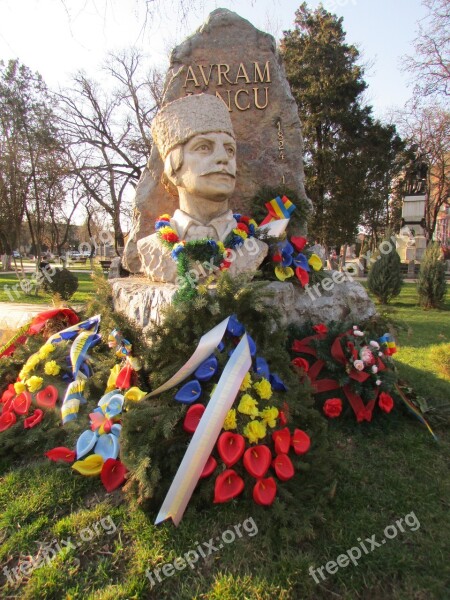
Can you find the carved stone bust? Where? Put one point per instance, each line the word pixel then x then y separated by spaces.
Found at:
pixel 195 139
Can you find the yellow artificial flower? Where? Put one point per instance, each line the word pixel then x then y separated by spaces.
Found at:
pixel 34 383
pixel 164 216
pixel 263 389
pixel 32 362
pixel 246 383
pixel 315 262
pixel 248 406
pixel 253 222
pixel 134 363
pixel 25 371
pixel 134 394
pixel 221 247
pixel 269 416
pixel 19 387
pixel 111 383
pixel 283 273
pixel 52 368
pixel 45 351
pixel 230 420
pixel 241 233
pixel 165 229
pixel 255 431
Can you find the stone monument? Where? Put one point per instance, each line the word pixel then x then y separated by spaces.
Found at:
pixel 206 139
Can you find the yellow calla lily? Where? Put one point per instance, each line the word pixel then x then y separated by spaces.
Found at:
pixel 92 465
pixel 283 273
pixel 111 383
pixel 315 262
pixel 134 394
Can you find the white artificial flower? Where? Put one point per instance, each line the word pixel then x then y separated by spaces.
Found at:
pixel 358 333
pixel 359 365
pixel 378 381
pixel 374 369
pixel 375 344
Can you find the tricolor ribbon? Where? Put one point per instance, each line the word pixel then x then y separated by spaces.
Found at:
pixel 72 399
pixel 206 434
pixel 278 208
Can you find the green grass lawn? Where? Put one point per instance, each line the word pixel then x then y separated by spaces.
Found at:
pixel 387 472
pixel 10 290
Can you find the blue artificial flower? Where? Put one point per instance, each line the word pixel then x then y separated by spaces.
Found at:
pixel 301 261
pixel 251 229
pixel 236 240
pixel 160 224
pixel 237 216
pixel 212 244
pixel 286 249
pixel 176 251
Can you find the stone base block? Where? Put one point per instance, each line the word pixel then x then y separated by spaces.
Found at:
pixel 143 301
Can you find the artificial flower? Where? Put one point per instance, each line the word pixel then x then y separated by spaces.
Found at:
pixel 320 328
pixel 134 394
pixel 359 365
pixel 32 362
pixel 255 431
pixel 374 369
pixel 364 415
pixel 375 344
pixel 302 276
pixel 299 243
pixel 269 415
pixel 52 368
pixel 358 333
pixel 7 420
pixel 45 351
pixel 241 233
pixel 230 420
pixel 24 372
pixel 34 383
pixel 248 406
pixel 111 383
pixel 246 382
pixel 263 389
pixel 385 402
pixel 221 247
pixel 315 262
pixel 301 363
pixel 33 419
pixel 168 234
pixel 301 261
pixel 19 387
pixel 283 273
pixel 378 382
pixel 332 407
pixel 367 356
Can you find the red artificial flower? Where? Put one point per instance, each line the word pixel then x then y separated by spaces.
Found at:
pixel 209 468
pixel 8 406
pixel 33 419
pixel 264 491
pixel 228 485
pixel 192 417
pixel 332 407
pixel 242 227
pixel 123 381
pixel 385 402
pixel 7 420
pixel 353 350
pixel 301 442
pixel 282 417
pixel 61 453
pixel 297 346
pixel 257 460
pixel 8 394
pixel 301 363
pixel 283 467
pixel 299 243
pixel 302 275
pixel 47 397
pixel 282 440
pixel 170 237
pixel 277 257
pixel 21 403
pixel 244 219
pixel 112 474
pixel 320 328
pixel 364 415
pixel 230 447
pixel 224 265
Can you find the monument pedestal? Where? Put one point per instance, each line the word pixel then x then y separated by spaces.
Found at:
pixel 143 301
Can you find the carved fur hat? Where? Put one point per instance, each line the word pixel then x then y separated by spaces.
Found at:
pixel 181 119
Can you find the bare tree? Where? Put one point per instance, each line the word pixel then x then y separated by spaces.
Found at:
pixel 431 64
pixel 107 132
pixel 427 129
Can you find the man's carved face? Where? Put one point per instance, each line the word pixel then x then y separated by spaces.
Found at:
pixel 209 166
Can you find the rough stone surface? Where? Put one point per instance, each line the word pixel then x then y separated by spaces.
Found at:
pixel 143 301
pixel 269 139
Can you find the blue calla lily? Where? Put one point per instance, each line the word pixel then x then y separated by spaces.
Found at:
pixel 189 392
pixel 234 327
pixel 207 369
pixel 252 345
pixel 301 261
pixel 276 383
pixel 262 368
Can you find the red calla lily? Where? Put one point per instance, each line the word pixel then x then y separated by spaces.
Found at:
pixel 8 406
pixel 209 468
pixel 192 417
pixel 231 447
pixel 123 381
pixel 8 393
pixel 265 491
pixel 7 419
pixel 282 417
pixel 302 275
pixel 33 419
pixel 283 467
pixel 301 441
pixel 47 397
pixel 257 460
pixel 21 403
pixel 299 243
pixel 113 474
pixel 61 453
pixel 282 440
pixel 228 485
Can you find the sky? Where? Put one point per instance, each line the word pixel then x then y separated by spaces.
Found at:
pixel 59 37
